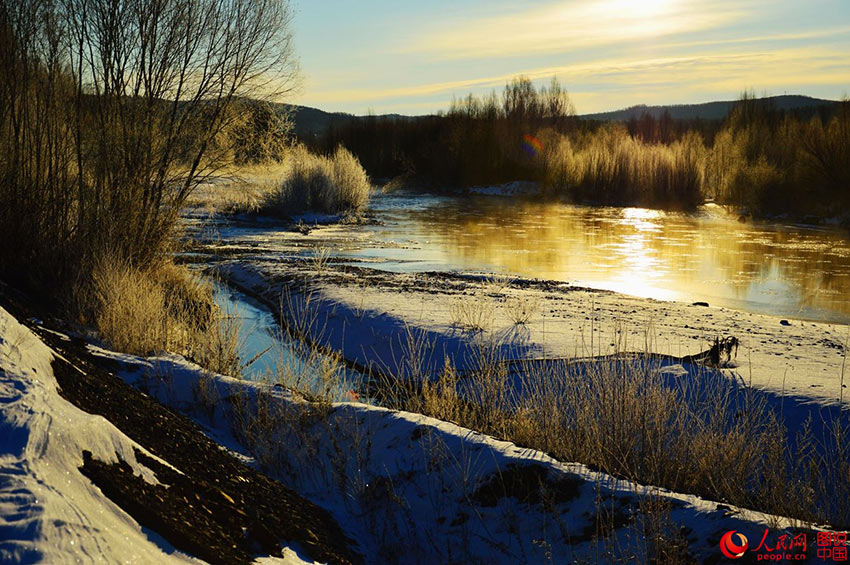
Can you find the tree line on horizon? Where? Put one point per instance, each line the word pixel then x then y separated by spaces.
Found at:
pixel 759 159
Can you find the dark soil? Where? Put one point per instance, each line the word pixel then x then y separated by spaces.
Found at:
pixel 217 508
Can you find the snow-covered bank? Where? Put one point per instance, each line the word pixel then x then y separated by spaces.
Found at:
pixel 75 488
pixel 49 511
pixel 368 315
pixel 407 487
pixel 415 489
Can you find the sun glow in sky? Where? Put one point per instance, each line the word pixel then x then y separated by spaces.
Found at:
pixel 412 58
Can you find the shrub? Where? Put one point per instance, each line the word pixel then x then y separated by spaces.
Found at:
pixel 159 309
pixel 336 184
pixel 611 167
pixel 521 309
pixel 472 313
pixel 349 178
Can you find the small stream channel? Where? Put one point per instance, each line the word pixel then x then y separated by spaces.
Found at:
pixel 277 357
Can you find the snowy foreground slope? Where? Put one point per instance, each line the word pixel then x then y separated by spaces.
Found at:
pixel 413 489
pixel 406 487
pixel 410 488
pixel 49 511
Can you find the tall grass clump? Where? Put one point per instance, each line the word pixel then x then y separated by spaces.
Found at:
pixel 611 167
pixel 472 313
pixel 332 185
pixel 164 308
pixel 622 414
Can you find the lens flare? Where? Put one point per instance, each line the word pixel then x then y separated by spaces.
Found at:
pixel 531 145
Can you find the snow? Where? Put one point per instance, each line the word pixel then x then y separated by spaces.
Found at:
pixel 371 334
pixel 49 511
pixel 406 486
pixel 369 322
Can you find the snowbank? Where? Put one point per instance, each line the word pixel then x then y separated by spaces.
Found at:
pixel 407 487
pixel 49 511
pixel 410 488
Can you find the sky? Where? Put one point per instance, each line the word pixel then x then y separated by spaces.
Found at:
pixel 395 56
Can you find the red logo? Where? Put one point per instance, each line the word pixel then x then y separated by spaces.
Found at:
pixel 730 547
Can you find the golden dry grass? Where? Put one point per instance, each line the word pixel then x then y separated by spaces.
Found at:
pixel 165 308
pixel 335 184
pixel 300 182
pixel 621 415
pixel 610 166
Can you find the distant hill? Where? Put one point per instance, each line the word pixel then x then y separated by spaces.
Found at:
pixel 312 122
pixel 708 110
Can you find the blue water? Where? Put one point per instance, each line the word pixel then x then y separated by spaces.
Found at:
pixel 258 330
pixel 273 356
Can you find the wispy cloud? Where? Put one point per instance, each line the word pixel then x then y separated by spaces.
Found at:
pixel 561 27
pixel 840 31
pixel 710 73
pixel 609 53
pixel 367 94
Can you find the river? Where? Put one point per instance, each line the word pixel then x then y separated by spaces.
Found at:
pixel 786 270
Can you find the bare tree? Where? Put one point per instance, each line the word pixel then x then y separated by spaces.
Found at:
pixel 520 101
pixel 557 105
pixel 110 112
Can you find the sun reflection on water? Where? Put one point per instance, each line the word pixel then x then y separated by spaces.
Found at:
pixel 670 256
